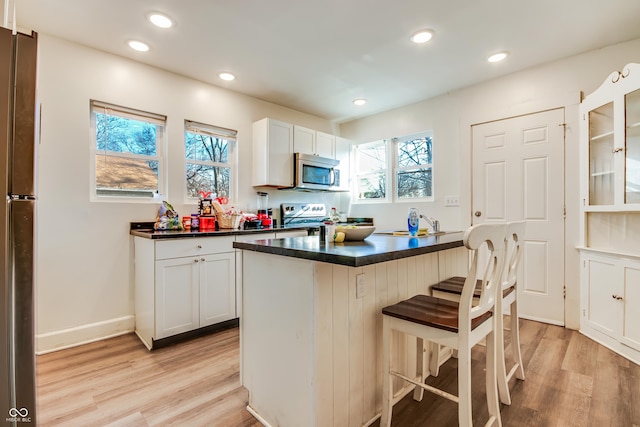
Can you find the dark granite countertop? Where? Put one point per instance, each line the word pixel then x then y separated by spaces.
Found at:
pixel 374 249
pixel 145 229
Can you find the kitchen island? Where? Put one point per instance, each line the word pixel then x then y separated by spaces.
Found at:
pixel 311 328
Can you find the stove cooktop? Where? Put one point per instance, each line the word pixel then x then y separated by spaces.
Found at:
pixel 312 215
pixel 302 213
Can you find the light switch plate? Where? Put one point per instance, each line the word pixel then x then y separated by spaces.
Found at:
pixel 451 201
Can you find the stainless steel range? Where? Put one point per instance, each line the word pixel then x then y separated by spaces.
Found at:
pixel 306 214
pixel 312 215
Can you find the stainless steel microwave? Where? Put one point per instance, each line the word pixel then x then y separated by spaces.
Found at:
pixel 316 173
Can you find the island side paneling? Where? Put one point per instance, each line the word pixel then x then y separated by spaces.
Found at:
pixel 306 312
pixel 349 330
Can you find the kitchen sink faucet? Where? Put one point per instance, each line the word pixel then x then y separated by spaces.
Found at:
pixel 434 223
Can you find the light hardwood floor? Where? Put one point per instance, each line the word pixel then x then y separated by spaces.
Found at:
pixel 571 381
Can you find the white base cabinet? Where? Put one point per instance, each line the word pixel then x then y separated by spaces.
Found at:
pixel 610 300
pixel 182 285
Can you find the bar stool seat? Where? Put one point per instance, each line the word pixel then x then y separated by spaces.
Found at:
pixel 459 325
pixel 451 289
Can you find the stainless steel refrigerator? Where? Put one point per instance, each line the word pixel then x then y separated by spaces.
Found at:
pixel 18 54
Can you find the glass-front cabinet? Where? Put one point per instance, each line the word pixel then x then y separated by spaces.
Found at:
pixel 610 207
pixel 632 147
pixel 611 143
pixel 601 155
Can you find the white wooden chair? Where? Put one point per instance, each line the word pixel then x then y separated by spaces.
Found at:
pixel 459 325
pixel 452 288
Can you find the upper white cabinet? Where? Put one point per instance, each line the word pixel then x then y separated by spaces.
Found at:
pixel 610 133
pixel 304 140
pixel 309 141
pixel 274 143
pixel 272 153
pixel 325 145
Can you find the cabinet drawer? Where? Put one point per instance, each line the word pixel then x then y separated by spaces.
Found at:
pixel 176 248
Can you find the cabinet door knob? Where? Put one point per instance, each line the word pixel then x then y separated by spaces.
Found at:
pixel 617 150
pixel 202 259
pixel 478 213
pixel 196 260
pixel 199 246
pixel 617 297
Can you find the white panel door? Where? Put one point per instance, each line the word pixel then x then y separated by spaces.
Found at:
pixel 518 174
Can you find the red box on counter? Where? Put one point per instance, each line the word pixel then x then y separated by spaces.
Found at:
pixel 207 223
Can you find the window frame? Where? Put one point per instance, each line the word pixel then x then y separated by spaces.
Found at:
pixel 357 174
pixel 396 168
pixel 391 171
pixel 159 120
pixel 231 136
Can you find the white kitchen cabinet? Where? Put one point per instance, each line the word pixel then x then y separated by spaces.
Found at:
pixel 343 154
pixel 610 135
pixel 304 140
pixel 325 145
pixel 182 285
pixel 177 296
pixel 610 301
pixel 309 141
pixel 610 213
pixel 272 153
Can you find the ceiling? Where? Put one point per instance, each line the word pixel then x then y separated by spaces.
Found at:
pixel 318 56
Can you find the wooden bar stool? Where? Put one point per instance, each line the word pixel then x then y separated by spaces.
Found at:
pixel 459 325
pixel 451 289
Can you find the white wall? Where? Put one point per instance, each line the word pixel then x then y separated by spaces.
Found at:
pixel 450 116
pixel 84 271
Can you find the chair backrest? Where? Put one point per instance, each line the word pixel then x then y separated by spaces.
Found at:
pixel 488 268
pixel 513 251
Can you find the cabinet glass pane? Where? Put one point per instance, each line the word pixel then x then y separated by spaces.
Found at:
pixel 601 175
pixel 632 164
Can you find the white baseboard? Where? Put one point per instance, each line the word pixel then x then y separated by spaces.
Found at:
pixel 72 337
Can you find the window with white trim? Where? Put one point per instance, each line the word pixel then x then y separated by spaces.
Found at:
pixel 127 151
pixel 210 159
pixel 414 167
pixel 371 171
pixel 397 169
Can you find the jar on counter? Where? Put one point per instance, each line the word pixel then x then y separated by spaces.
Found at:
pixel 186 222
pixel 195 221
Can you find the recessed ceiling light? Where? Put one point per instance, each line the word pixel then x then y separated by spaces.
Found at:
pixel 139 46
pixel 422 36
pixel 227 76
pixel 359 101
pixel 497 57
pixel 160 20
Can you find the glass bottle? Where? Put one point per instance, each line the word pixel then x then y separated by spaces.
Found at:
pixel 334 216
pixel 413 221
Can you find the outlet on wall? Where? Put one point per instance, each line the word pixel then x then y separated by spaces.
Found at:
pixel 360 286
pixel 451 201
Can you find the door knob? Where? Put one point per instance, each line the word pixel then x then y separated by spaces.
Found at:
pixel 478 213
